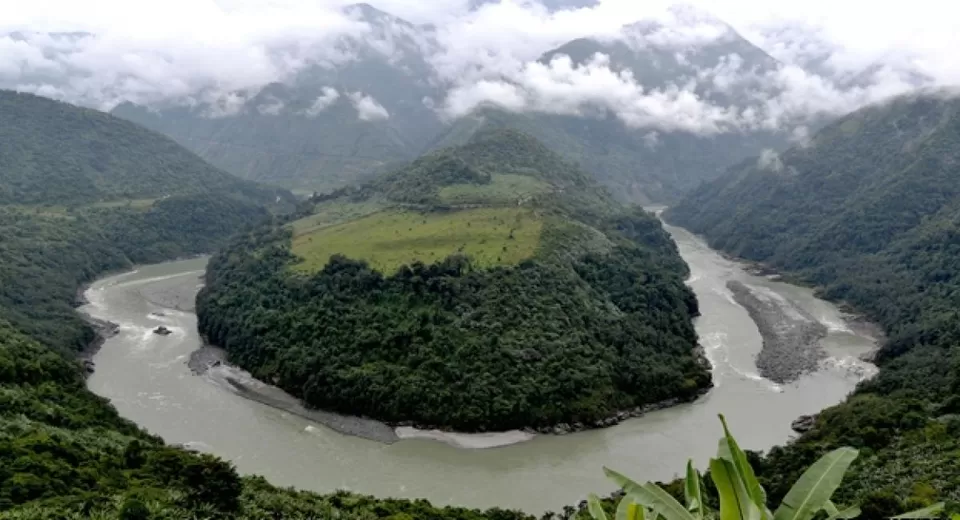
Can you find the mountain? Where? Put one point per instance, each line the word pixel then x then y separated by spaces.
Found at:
pixel 58 154
pixel 551 5
pixel 82 192
pixel 484 287
pixel 340 122
pixel 648 165
pixel 329 124
pixel 868 212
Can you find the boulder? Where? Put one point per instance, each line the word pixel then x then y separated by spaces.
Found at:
pixel 163 331
pixel 804 423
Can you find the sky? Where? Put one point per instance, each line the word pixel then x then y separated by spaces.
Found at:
pixel 151 52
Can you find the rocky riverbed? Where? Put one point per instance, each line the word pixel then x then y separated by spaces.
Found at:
pixel 791 336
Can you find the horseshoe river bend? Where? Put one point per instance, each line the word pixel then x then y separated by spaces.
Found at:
pixel 148 377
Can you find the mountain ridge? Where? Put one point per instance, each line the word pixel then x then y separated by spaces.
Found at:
pixel 474 260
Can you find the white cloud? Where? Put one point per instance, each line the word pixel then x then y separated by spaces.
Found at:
pixel 323 102
pixel 836 56
pixel 770 160
pixel 368 109
pixel 272 107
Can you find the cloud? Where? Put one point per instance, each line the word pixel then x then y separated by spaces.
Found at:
pixel 272 107
pixel 323 102
pixel 561 87
pixel 368 109
pixel 222 53
pixel 770 160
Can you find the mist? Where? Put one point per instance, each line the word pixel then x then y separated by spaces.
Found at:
pixel 829 59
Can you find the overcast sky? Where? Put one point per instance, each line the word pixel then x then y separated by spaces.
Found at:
pixel 152 50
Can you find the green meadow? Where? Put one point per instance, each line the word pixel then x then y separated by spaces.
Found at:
pixel 502 189
pixel 392 238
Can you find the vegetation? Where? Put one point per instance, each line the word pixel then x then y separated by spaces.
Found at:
pixel 64 452
pixel 869 212
pixel 740 495
pixel 391 239
pixel 558 308
pixel 53 153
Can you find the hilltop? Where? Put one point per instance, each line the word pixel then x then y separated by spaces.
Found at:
pixel 484 287
pixel 868 212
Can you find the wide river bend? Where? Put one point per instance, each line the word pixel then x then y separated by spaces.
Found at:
pixel 147 378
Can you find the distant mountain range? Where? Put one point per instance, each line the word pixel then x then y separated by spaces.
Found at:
pixel 334 124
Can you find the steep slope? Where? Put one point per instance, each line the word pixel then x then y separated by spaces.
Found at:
pixel 82 192
pixel 869 212
pixel 648 165
pixel 55 153
pixel 484 287
pixel 326 126
pixel 64 452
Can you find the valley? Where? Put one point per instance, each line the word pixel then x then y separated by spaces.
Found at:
pixel 149 380
pixel 470 260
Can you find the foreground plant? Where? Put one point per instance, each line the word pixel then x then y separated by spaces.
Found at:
pixel 740 494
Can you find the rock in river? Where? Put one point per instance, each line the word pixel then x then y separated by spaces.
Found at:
pixel 804 423
pixel 163 331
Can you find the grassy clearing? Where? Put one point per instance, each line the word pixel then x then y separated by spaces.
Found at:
pixel 334 212
pixel 390 239
pixel 141 204
pixel 503 189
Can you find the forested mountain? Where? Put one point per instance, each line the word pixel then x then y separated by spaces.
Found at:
pixel 333 124
pixel 327 126
pixel 64 452
pixel 648 165
pixel 82 192
pixel 869 212
pixel 57 154
pixel 484 287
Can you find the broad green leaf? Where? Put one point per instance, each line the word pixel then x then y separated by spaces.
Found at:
pixel 735 502
pixel 835 514
pixel 596 510
pixel 625 483
pixel 734 454
pixel 662 503
pixel 630 510
pixel 692 492
pixel 927 512
pixel 811 492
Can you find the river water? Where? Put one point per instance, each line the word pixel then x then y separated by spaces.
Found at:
pixel 146 377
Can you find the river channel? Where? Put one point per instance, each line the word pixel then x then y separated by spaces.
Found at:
pixel 146 377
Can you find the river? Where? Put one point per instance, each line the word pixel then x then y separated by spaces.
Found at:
pixel 146 377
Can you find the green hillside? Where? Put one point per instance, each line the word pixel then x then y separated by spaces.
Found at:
pixel 553 305
pixel 870 214
pixel 57 154
pixel 139 198
pixel 82 192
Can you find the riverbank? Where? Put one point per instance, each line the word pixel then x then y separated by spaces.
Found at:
pixel 211 361
pixel 790 336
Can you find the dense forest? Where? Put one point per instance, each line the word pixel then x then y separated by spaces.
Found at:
pixel 597 320
pixel 64 452
pixel 53 153
pixel 868 212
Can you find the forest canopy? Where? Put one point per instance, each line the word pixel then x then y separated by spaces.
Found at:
pixel 868 212
pixel 593 318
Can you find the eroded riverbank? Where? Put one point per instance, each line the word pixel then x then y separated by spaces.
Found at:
pixel 148 378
